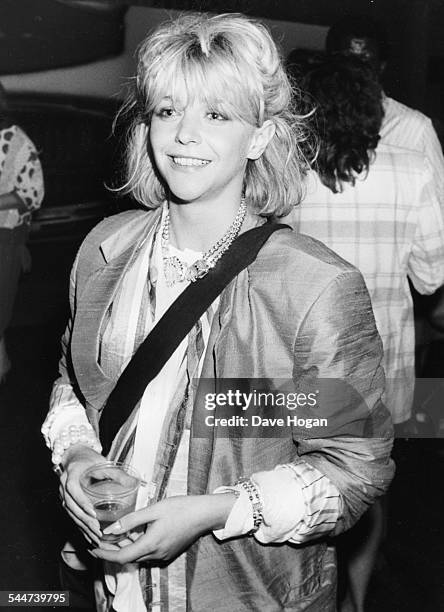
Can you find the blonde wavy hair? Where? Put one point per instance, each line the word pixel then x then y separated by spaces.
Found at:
pixel 231 62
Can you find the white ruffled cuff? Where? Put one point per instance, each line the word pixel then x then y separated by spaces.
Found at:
pixel 240 519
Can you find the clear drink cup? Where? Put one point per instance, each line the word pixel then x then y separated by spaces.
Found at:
pixel 112 489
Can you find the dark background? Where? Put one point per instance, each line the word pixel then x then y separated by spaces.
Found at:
pixel 44 34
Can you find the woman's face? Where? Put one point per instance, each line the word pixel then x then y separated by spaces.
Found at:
pixel 200 153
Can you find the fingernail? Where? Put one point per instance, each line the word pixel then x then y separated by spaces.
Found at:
pixel 95 527
pixel 114 528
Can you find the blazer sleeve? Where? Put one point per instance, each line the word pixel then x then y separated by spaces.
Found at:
pixel 338 352
pixel 66 391
pixel 65 372
pixel 66 407
pixel 67 400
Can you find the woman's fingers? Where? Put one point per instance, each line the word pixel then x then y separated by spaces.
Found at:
pixel 124 542
pixel 135 535
pixel 128 539
pixel 171 525
pixel 104 545
pixel 83 518
pixel 128 554
pixel 132 520
pixel 117 475
pixel 87 532
pixel 68 488
pixel 74 491
pixel 79 509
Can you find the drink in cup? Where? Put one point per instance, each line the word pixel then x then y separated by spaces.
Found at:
pixel 112 489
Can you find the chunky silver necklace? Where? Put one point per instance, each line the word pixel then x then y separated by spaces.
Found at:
pixel 176 271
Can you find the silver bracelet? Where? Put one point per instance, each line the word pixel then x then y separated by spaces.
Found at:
pixel 255 499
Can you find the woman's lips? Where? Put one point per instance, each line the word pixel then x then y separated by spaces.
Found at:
pixel 189 161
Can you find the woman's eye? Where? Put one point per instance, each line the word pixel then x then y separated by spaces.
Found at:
pixel 215 116
pixel 166 113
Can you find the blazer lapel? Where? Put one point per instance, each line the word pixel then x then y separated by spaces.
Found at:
pixel 96 297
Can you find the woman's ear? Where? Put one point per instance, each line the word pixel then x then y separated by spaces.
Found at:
pixel 260 139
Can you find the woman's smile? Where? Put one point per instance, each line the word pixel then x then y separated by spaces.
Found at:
pixel 189 161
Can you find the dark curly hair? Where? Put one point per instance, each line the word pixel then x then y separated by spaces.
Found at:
pixel 348 99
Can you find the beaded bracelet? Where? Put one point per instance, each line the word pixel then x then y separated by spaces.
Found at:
pixel 255 499
pixel 74 434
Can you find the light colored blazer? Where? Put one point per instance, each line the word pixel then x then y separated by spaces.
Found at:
pixel 298 311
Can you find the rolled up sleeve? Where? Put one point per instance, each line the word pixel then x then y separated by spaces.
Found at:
pixel 338 349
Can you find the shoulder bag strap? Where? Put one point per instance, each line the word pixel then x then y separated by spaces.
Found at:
pixel 173 327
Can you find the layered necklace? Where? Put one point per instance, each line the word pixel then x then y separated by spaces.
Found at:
pixel 176 271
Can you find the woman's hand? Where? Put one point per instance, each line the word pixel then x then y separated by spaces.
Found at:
pixel 76 460
pixel 173 524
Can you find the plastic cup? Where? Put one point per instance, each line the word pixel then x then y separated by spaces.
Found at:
pixel 112 489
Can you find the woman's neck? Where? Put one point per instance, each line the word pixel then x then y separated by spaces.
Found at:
pixel 198 226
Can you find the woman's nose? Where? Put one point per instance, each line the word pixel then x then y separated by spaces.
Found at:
pixel 188 130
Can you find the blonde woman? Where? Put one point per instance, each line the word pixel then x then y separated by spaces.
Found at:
pixel 214 149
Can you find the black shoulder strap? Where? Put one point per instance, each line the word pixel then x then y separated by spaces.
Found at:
pixel 174 325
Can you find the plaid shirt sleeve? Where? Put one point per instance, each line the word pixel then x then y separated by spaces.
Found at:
pixel 432 149
pixel 322 503
pixel 319 511
pixel 426 261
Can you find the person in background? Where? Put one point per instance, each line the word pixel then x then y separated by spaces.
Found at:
pixel 300 60
pixel 21 192
pixel 213 150
pixel 376 205
pixel 401 126
pixel 407 128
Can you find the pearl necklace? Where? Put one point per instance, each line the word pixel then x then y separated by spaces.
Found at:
pixel 177 272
